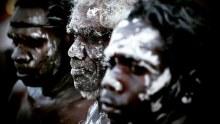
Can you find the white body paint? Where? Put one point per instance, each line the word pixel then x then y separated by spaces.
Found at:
pixel 129 48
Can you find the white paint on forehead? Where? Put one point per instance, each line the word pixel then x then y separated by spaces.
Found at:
pixel 110 81
pixel 123 23
pixel 162 80
pixel 133 46
pixel 91 13
pixel 135 20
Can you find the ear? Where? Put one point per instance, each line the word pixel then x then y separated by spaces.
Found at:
pixel 67 38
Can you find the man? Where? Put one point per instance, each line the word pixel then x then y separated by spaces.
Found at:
pixel 154 66
pixel 45 93
pixel 91 23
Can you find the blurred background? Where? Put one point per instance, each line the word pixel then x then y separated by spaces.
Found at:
pixel 6 9
pixel 7 70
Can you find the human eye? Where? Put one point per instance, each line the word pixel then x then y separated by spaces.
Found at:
pixel 138 70
pixel 34 42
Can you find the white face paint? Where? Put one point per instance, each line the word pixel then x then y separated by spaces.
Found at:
pixel 134 45
pixel 110 81
pixel 139 42
pixel 160 82
pixel 156 85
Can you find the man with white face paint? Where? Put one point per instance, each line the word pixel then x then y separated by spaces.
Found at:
pixel 91 24
pixel 151 77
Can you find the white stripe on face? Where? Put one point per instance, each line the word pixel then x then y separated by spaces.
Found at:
pixel 136 44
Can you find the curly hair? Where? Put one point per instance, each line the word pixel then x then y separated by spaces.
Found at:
pixel 107 12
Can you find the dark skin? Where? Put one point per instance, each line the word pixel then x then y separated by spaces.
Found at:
pixel 86 55
pixel 131 74
pixel 45 93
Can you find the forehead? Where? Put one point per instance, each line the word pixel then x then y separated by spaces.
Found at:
pixel 136 39
pixel 31 16
pixel 136 32
pixel 84 17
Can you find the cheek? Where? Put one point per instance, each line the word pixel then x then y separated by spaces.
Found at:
pixel 95 51
pixel 48 53
pixel 135 87
pixel 139 84
pixel 50 48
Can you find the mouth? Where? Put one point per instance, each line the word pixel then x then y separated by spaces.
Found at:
pixel 78 71
pixel 109 107
pixel 21 75
pixel 22 72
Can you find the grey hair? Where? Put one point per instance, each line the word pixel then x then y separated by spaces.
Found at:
pixel 110 12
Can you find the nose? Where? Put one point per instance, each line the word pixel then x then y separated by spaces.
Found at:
pixel 77 49
pixel 20 55
pixel 111 81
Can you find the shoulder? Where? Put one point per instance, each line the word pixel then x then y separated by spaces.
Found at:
pixel 19 91
pixel 95 115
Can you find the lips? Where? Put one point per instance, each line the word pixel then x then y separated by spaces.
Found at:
pixel 21 75
pixel 78 71
pixel 109 107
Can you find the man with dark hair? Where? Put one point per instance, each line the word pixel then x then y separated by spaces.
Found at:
pixel 154 73
pixel 45 93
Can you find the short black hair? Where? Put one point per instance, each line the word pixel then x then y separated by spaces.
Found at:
pixel 58 10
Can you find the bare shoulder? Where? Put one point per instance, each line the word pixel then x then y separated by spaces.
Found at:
pixel 19 91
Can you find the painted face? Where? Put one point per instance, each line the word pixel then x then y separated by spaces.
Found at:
pixel 36 55
pixel 86 54
pixel 135 72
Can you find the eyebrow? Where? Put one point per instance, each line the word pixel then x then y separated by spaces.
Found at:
pixel 27 25
pixel 93 32
pixel 151 68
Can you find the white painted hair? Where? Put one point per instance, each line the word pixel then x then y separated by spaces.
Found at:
pixel 110 12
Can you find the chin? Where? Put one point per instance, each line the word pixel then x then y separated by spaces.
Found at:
pixel 32 82
pixel 91 94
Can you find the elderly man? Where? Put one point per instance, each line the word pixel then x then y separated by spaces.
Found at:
pixel 91 24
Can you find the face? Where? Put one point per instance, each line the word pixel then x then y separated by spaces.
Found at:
pixel 135 71
pixel 36 55
pixel 86 53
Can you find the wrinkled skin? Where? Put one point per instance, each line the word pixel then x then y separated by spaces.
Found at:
pixel 126 79
pixel 36 55
pixel 86 55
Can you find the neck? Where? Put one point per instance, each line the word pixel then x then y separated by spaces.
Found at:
pixel 57 84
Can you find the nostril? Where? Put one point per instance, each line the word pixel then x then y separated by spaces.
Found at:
pixel 76 51
pixel 109 87
pixel 113 86
pixel 21 58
